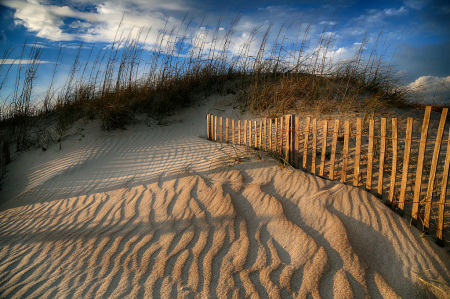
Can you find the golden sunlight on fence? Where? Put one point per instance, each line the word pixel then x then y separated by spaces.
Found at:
pixel 408 171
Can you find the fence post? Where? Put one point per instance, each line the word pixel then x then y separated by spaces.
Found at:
pixel 345 159
pixel 418 183
pixel 296 141
pixel 227 130
pixel 382 157
pixel 208 118
pixel 357 152
pixel 215 128
pixel 440 226
pixel 314 145
pixel 333 148
pixel 409 128
pixel 324 147
pixel 394 159
pixel 239 132
pixel 437 149
pixel 233 139
pixel 370 156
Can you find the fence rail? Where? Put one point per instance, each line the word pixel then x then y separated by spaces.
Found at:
pixel 409 173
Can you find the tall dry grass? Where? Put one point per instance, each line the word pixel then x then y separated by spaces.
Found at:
pixel 127 77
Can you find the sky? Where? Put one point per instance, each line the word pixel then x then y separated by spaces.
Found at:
pixel 414 34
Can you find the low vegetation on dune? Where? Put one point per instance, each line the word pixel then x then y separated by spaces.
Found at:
pixel 127 78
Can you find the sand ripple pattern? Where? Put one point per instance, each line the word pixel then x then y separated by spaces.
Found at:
pixel 234 234
pixel 147 213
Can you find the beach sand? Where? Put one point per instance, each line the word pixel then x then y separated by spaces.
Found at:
pixel 154 212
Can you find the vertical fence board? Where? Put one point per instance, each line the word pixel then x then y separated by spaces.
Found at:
pixel 265 135
pixel 215 128
pixel 324 147
pixel 270 134
pixel 333 148
pixel 434 162
pixel 440 226
pixel 233 139
pixel 357 152
pixel 305 144
pixel 260 134
pixel 208 126
pixel 250 133
pixel 287 129
pixel 394 159
pixel 409 128
pixel 296 141
pixel 314 146
pixel 221 130
pixel 227 130
pixel 276 135
pixel 281 135
pixel 370 156
pixel 245 133
pixel 382 158
pixel 419 170
pixel 345 151
pixel 239 132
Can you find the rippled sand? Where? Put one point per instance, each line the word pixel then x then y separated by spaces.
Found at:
pixel 150 212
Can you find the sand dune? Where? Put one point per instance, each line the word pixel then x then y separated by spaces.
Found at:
pixel 150 213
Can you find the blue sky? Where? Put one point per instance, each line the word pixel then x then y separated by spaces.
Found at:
pixel 418 31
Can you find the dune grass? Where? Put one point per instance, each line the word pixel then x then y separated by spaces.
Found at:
pixel 127 77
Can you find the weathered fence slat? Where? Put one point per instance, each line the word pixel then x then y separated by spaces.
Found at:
pixel 276 135
pixel 382 158
pixel 440 227
pixel 434 162
pixel 239 132
pixel 370 156
pixel 245 132
pixel 314 145
pixel 287 137
pixel 221 129
pixel 208 126
pixel 296 142
pixel 227 130
pixel 305 144
pixel 419 170
pixel 270 135
pixel 357 152
pixel 345 151
pixel 324 147
pixel 333 148
pixel 215 129
pixel 233 139
pixel 394 159
pixel 409 128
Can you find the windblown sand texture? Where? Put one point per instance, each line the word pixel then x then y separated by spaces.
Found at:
pixel 149 212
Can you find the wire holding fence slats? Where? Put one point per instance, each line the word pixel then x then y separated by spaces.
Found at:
pixel 372 153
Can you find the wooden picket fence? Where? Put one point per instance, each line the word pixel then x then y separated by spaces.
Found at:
pixel 384 162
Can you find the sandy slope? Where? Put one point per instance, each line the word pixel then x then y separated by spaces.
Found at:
pixel 147 212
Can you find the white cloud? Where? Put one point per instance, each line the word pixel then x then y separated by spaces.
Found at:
pixel 376 16
pixel 416 4
pixel 391 12
pixel 99 25
pixel 431 88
